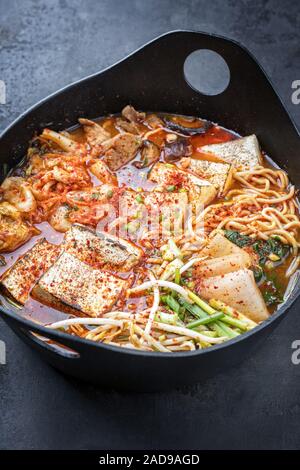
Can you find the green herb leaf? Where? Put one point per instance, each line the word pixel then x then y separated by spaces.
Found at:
pixel 271 246
pixel 237 238
pixel 258 273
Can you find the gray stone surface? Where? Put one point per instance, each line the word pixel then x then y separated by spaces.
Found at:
pixel 43 46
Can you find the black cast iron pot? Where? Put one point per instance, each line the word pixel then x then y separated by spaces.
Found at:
pixel 152 78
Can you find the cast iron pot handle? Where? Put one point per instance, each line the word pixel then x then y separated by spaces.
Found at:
pixel 63 344
pixel 251 102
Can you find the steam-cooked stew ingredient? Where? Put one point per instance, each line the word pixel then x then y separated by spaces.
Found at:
pixel 148 231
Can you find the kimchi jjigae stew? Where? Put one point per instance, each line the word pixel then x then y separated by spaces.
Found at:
pixel 148 231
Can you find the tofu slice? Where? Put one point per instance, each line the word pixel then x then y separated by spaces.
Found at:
pixel 154 212
pixel 238 290
pixel 45 298
pixel 218 174
pixel 154 207
pixel 222 265
pixel 25 273
pixel 168 176
pixel 100 249
pixel 241 153
pixel 81 287
pixel 120 150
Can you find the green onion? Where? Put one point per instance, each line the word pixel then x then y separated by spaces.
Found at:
pixel 171 302
pixel 217 327
pixel 234 322
pixel 139 198
pixel 201 303
pixel 227 331
pixel 169 272
pixel 171 188
pixel 109 194
pixel 206 321
pixel 193 309
pixel 212 334
pixel 229 311
pixel 132 227
pixel 181 313
pixel 177 277
pixel 188 274
pixel 169 318
pixel 203 310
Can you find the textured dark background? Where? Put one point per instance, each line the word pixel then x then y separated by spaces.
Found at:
pixel 47 44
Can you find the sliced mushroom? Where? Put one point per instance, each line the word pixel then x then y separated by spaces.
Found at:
pixel 175 126
pixel 150 154
pixel 177 149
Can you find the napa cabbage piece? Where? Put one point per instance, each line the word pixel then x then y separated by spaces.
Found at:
pixel 62 140
pixel 222 265
pixel 14 232
pixel 59 219
pixel 219 245
pixel 103 174
pixel 237 289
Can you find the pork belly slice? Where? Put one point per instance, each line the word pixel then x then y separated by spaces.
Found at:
pixel 218 174
pixel 130 120
pixel 95 133
pixel 238 290
pixel 100 249
pixel 222 265
pixel 81 287
pixel 243 153
pixel 25 273
pixel 170 178
pixel 120 150
pixel 132 115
